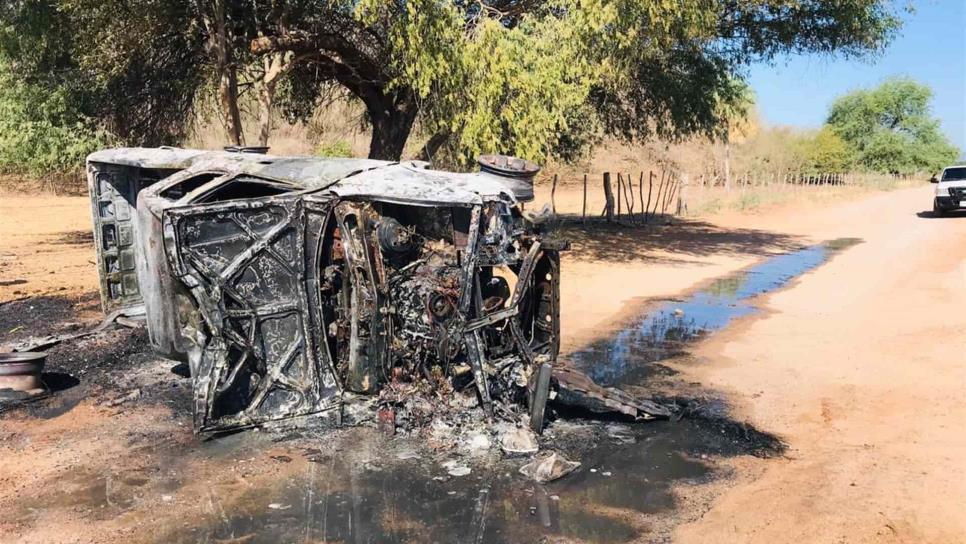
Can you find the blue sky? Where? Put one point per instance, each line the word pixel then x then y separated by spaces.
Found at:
pixel 931 48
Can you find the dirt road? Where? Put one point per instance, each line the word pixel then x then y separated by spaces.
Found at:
pixel 859 366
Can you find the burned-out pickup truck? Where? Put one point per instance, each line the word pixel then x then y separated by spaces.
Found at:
pixel 302 286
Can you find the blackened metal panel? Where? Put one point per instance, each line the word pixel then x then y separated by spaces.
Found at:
pixel 368 348
pixel 245 264
pixel 114 190
pixel 318 215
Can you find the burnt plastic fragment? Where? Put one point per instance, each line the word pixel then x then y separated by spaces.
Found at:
pixel 574 388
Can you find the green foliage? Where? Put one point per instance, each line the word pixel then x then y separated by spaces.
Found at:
pixel 516 88
pixel 41 129
pixel 528 78
pixel 891 128
pixel 538 79
pixel 675 68
pixel 338 148
pixel 826 151
pixel 738 120
pixel 135 68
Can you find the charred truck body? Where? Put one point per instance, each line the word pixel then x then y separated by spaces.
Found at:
pixel 296 286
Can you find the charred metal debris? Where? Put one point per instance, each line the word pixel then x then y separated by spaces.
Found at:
pixel 344 288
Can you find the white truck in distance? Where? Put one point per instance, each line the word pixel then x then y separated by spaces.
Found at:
pixel 950 191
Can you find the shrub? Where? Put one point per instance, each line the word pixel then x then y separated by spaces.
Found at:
pixel 338 148
pixel 41 132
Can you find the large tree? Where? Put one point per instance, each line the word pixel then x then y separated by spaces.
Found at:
pixel 327 47
pixel 517 76
pixel 537 78
pixel 891 128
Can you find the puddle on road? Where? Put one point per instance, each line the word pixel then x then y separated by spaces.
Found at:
pixel 622 488
pixel 663 332
pixel 370 495
pixel 369 488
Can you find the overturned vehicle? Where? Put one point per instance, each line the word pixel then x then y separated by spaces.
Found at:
pixel 302 286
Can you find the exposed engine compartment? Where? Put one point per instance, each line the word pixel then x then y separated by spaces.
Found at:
pixel 452 296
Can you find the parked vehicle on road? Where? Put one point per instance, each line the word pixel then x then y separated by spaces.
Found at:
pixel 950 190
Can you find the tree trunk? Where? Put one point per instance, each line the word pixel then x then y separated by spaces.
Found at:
pixel 228 91
pixel 391 126
pixel 220 51
pixel 275 64
pixel 432 146
pixel 608 198
pixel 266 96
pixel 727 164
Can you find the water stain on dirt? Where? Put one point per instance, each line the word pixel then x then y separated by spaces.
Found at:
pixel 370 488
pixel 343 498
pixel 664 332
pixel 628 470
pixel 391 490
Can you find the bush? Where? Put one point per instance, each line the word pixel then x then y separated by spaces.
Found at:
pixel 338 148
pixel 826 152
pixel 41 132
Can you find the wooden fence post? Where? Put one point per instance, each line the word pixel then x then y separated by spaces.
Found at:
pixel 608 198
pixel 640 194
pixel 668 192
pixel 583 212
pixel 629 186
pixel 657 197
pixel 650 187
pixel 620 186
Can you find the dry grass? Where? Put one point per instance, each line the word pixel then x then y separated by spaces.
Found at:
pixel 707 201
pixel 70 183
pixel 341 124
pixel 703 201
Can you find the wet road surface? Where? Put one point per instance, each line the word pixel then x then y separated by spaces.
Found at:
pixel 627 473
pixel 383 489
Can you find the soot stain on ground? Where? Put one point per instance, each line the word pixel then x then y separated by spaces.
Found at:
pixel 363 487
pixel 47 315
pixel 628 470
pixel 374 494
pixel 384 499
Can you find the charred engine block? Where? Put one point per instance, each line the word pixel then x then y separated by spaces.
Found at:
pixel 450 295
